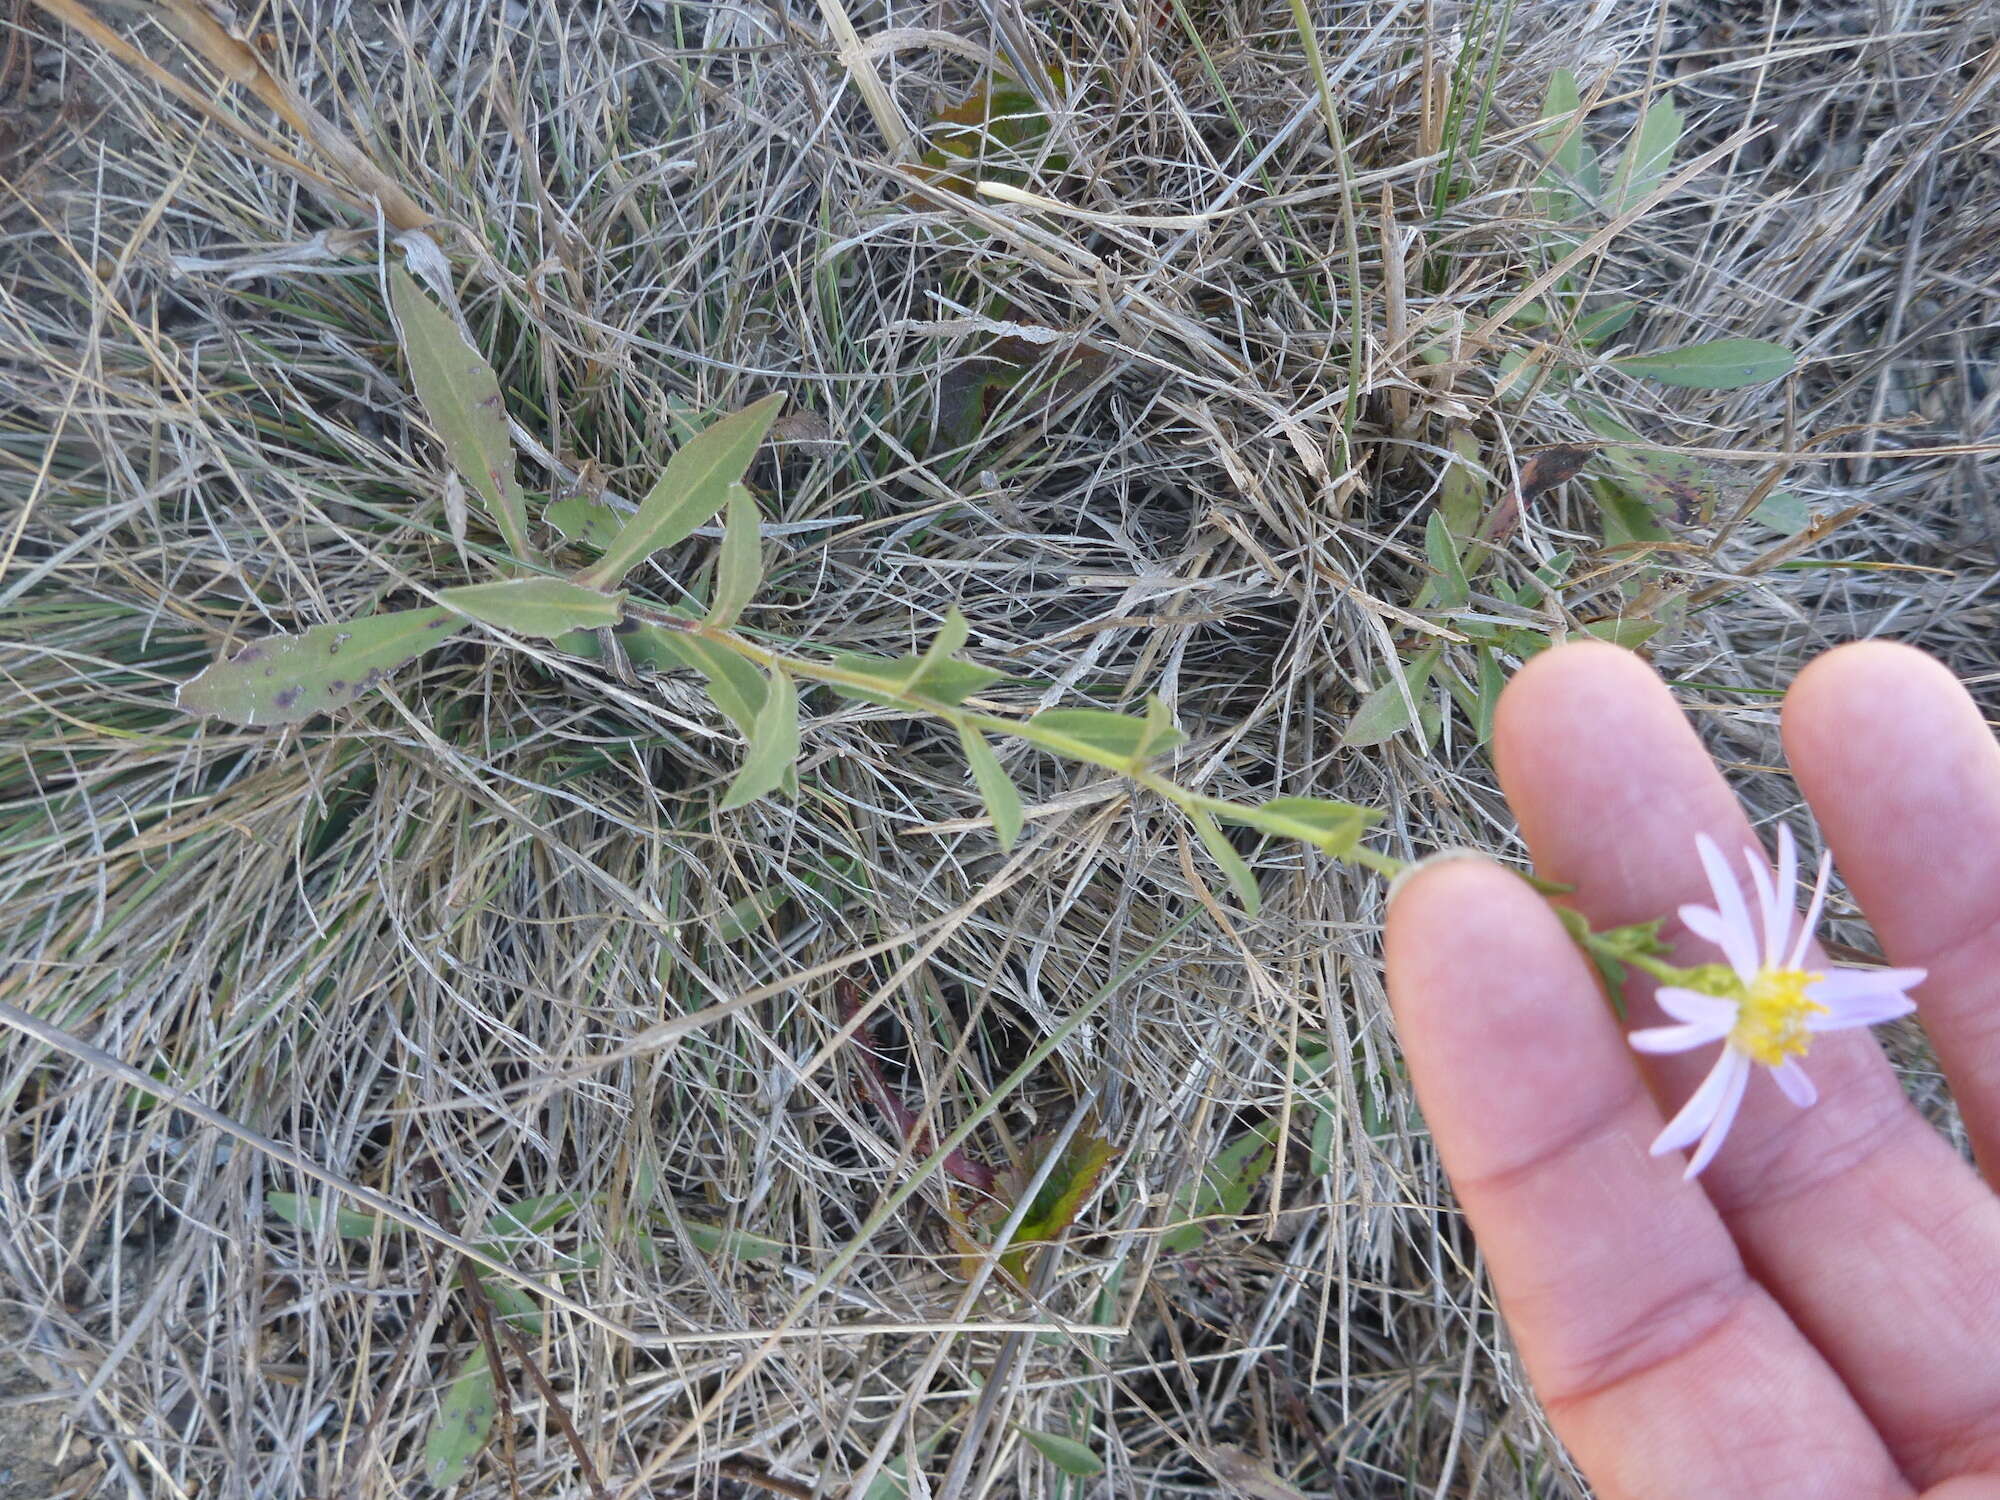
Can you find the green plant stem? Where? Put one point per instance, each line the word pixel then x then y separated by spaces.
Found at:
pixel 1133 768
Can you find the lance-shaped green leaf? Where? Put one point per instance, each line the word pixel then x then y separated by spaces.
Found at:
pixel 286 679
pixel 1241 878
pixel 1648 155
pixel 1224 1187
pixel 461 396
pixel 774 744
pixel 737 687
pixel 544 607
pixel 1335 827
pixel 1572 164
pixel 1066 1453
pixel 463 1424
pixel 1387 710
pixel 312 1213
pixel 694 486
pixel 1718 365
pixel 1462 487
pixel 996 788
pixel 740 566
pixel 1595 327
pixel 1120 741
pixel 1448 588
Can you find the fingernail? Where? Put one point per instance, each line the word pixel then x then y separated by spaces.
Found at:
pixel 1431 862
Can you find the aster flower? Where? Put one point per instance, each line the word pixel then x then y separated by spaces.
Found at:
pixel 1763 1005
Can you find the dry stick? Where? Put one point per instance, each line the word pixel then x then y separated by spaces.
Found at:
pixel 861 68
pixel 172 1094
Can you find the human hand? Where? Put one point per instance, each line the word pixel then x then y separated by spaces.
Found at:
pixel 1819 1314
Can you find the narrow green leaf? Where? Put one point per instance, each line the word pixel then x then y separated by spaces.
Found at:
pixel 1648 155
pixel 1571 181
pixel 1067 1454
pixel 1595 327
pixel 517 1309
pixel 1335 827
pixel 752 912
pixel 1462 487
pixel 740 567
pixel 544 607
pixel 737 687
pixel 1449 587
pixel 286 679
pixel 1119 741
pixel 312 1213
pixel 1224 1187
pixel 1242 879
pixel 774 744
pixel 1492 678
pixel 1630 634
pixel 461 397
pixel 996 788
pixel 730 1244
pixel 1386 711
pixel 463 1424
pixel 1070 1182
pixel 693 487
pixel 945 682
pixel 1718 365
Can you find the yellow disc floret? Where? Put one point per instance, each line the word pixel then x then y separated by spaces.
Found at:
pixel 1771 1015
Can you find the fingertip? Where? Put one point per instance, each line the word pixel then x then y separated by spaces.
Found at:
pixel 1871 683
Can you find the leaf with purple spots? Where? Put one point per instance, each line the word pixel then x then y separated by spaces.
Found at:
pixel 286 679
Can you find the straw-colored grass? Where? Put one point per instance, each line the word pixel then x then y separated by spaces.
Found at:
pixel 429 949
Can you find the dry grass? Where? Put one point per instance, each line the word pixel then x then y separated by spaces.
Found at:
pixel 416 946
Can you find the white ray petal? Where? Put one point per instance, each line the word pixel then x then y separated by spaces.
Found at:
pixel 1738 939
pixel 1793 1080
pixel 1725 1113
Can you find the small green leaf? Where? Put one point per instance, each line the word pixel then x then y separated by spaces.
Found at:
pixel 736 686
pixel 693 487
pixel 1630 634
pixel 463 1424
pixel 286 679
pixel 751 913
pixel 740 567
pixel 1573 166
pixel 312 1214
pixel 1492 678
pixel 1242 879
pixel 1596 327
pixel 1119 741
pixel 582 519
pixel 996 788
pixel 461 396
pixel 1224 1186
pixel 774 744
pixel 1648 155
pixel 1334 827
pixel 1386 711
pixel 943 682
pixel 1784 512
pixel 516 1308
pixel 1063 1193
pixel 1449 588
pixel 1462 487
pixel 730 1244
pixel 544 607
pixel 1067 1454
pixel 1718 365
